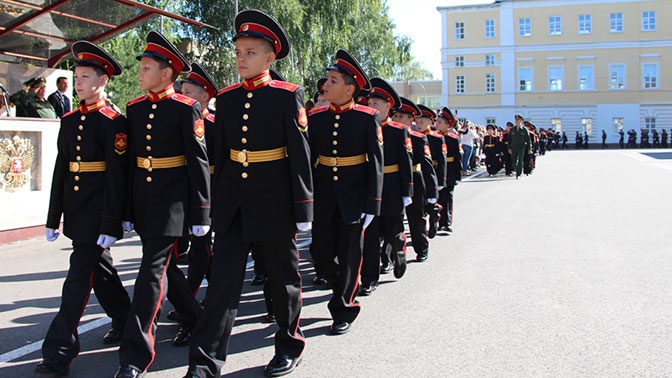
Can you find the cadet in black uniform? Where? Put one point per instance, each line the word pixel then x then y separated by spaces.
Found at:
pixel 425 186
pixel 445 122
pixel 437 146
pixel 170 196
pixel 88 188
pixel 397 189
pixel 262 196
pixel 345 141
pixel 490 142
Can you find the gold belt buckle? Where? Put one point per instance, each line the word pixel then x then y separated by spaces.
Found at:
pixel 147 163
pixel 333 162
pixel 242 156
pixel 75 166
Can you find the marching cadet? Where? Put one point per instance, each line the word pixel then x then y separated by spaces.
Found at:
pixel 425 188
pixel 437 146
pixel 170 189
pixel 445 124
pixel 508 161
pixel 88 188
pixel 397 190
pixel 345 141
pixel 260 138
pixel 490 142
pixel 519 144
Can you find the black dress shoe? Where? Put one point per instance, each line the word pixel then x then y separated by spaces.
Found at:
pixel 259 280
pixel 281 365
pixel 339 328
pixel 49 366
pixel 268 318
pixel 182 337
pixel 174 316
pixel 129 372
pixel 113 336
pixel 422 257
pixel 399 264
pixel 386 268
pixel 367 290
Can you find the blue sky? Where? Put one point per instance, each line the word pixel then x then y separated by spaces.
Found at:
pixel 420 20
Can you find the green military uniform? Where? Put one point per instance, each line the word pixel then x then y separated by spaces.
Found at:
pixel 28 105
pixel 519 144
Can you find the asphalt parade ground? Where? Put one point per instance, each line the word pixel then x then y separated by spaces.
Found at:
pixel 563 273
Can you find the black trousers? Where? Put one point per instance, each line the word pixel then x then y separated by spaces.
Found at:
pixel 446 201
pixel 338 240
pixel 210 340
pixel 391 230
pixel 157 270
pixel 491 162
pixel 200 256
pixel 417 224
pixel 90 267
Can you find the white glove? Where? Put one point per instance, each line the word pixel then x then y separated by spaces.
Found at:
pixel 431 200
pixel 106 241
pixel 302 226
pixel 199 230
pixel 367 220
pixel 407 200
pixel 51 234
pixel 128 226
pixel 438 188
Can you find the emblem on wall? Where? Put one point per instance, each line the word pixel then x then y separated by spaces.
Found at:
pixel 16 158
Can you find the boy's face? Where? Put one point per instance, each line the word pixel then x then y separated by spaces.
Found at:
pixel 253 57
pixel 442 124
pixel 404 118
pixel 423 124
pixel 380 105
pixel 88 84
pixel 150 75
pixel 195 92
pixel 335 89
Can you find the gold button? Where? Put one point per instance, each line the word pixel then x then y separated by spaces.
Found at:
pixel 338 116
pixel 335 178
pixel 249 95
pixel 335 169
pixel 336 125
pixel 79 137
pixel 81 127
pixel 244 175
pixel 244 140
pixel 244 128
pixel 335 133
pixel 149 179
pixel 333 161
pixel 149 126
pixel 83 117
pixel 151 115
pixel 148 148
pixel 149 169
pixel 78 148
pixel 335 143
pixel 242 156
pixel 334 152
pixel 148 137
pixel 76 178
pixel 153 106
pixel 247 105
pixel 75 167
pixel 245 164
pixel 76 188
pixel 79 158
pixel 245 117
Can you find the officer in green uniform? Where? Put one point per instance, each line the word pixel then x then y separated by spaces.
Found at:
pixel 519 144
pixel 31 101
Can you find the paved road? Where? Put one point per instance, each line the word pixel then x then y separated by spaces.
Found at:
pixel 565 273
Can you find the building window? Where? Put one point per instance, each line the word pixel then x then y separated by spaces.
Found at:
pixel 585 24
pixel 459 84
pixel 556 124
pixel 554 25
pixel 587 124
pixel 525 79
pixel 490 83
pixel 490 121
pixel 617 76
pixel 616 22
pixel 649 21
pixel 586 75
pixel 555 74
pixel 524 27
pixel 459 61
pixel 459 30
pixel 618 124
pixel 650 76
pixel 489 60
pixel 489 28
pixel 650 123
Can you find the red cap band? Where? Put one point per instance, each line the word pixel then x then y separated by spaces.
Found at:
pixel 173 60
pixel 261 29
pixel 353 71
pixel 103 63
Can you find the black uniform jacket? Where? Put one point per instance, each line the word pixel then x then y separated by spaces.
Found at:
pixel 437 147
pixel 166 201
pixel 92 203
pixel 453 158
pixel 345 131
pixel 425 185
pixel 209 119
pixel 272 196
pixel 397 150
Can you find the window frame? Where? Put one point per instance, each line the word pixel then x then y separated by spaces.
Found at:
pixel 592 77
pixel 489 63
pixel 647 18
pixel 459 60
pixel 554 22
pixel 612 67
pixel 616 23
pixel 490 29
pixel 524 25
pixel 586 25
pixel 490 83
pixel 531 79
pixel 559 82
pixel 460 84
pixel 656 78
pixel 459 30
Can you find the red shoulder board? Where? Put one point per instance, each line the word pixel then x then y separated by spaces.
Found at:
pixel 364 109
pixel 229 88
pixel 183 99
pixel 210 117
pixel 452 136
pixel 416 133
pixel 136 100
pixel 70 112
pixel 436 134
pixel 318 110
pixel 109 112
pixel 284 85
pixel 396 125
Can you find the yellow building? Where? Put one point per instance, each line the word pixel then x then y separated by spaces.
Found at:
pixel 574 65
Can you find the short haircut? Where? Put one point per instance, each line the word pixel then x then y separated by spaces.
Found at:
pixel 164 64
pixel 61 78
